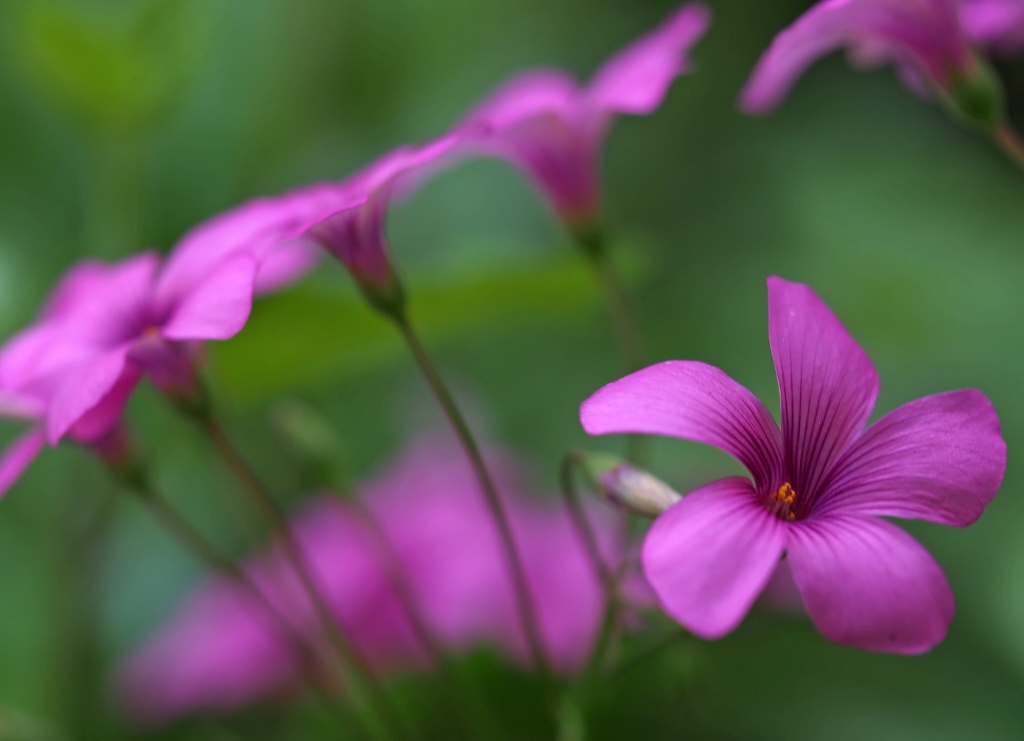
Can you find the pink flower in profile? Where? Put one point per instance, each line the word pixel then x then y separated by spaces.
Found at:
pixel 106 326
pixel 819 487
pixel 220 652
pixel 995 25
pixel 553 129
pixel 924 39
pixel 347 219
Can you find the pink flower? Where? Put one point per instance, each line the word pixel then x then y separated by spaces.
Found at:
pixel 106 326
pixel 923 38
pixel 819 486
pixel 347 219
pixel 994 25
pixel 547 125
pixel 219 652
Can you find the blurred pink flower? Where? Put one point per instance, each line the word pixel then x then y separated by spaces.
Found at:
pixel 549 126
pixel 105 326
pixel 820 485
pixel 923 38
pixel 346 219
pixel 219 652
pixel 995 25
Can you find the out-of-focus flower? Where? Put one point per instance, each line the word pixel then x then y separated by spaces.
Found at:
pixel 995 25
pixel 432 532
pixel 356 235
pixel 925 39
pixel 346 218
pixel 820 485
pixel 549 126
pixel 105 326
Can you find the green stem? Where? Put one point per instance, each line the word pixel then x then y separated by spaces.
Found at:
pixel 210 556
pixel 607 576
pixel 361 682
pixel 425 634
pixel 1009 143
pixel 524 600
pixel 623 317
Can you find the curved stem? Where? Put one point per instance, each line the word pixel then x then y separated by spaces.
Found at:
pixel 210 556
pixel 524 600
pixel 362 683
pixel 623 317
pixel 1009 143
pixel 607 576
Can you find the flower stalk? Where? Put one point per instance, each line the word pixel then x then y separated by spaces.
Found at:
pixel 524 601
pixel 1009 143
pixel 368 697
pixel 204 551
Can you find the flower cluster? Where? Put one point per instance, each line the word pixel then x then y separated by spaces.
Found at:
pixel 445 551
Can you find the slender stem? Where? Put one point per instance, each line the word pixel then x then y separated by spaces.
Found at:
pixel 362 683
pixel 1009 143
pixel 209 555
pixel 607 576
pixel 524 600
pixel 623 317
pixel 620 308
pixel 422 630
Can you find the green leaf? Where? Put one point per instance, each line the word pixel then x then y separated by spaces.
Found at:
pixel 308 335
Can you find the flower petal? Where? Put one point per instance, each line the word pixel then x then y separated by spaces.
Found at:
pixel 822 29
pixel 18 457
pixel 82 388
pixel 636 79
pixel 692 401
pixel 940 458
pixel 710 555
pixel 868 584
pixel 219 306
pixel 827 384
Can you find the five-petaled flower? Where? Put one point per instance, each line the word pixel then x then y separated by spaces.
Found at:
pixel 820 485
pixel 931 46
pixel 549 126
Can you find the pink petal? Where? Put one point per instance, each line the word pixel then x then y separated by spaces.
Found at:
pixel 83 389
pixel 827 384
pixel 635 80
pixel 258 228
pixel 692 401
pixel 18 457
pixel 868 584
pixel 286 265
pixel 996 25
pixel 940 458
pixel 822 29
pixel 527 96
pixel 218 307
pixel 710 555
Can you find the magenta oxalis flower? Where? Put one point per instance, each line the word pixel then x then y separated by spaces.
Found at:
pixel 549 126
pixel 106 326
pixel 925 39
pixel 819 487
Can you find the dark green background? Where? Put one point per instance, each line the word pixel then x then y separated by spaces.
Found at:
pixel 124 123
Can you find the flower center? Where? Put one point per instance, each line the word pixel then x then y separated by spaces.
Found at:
pixel 782 501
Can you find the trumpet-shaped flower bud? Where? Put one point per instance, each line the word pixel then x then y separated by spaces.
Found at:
pixel 819 486
pixel 627 486
pixel 553 129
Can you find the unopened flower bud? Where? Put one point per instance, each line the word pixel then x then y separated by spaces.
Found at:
pixel 627 486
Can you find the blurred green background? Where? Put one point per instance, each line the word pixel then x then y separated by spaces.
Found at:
pixel 125 122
